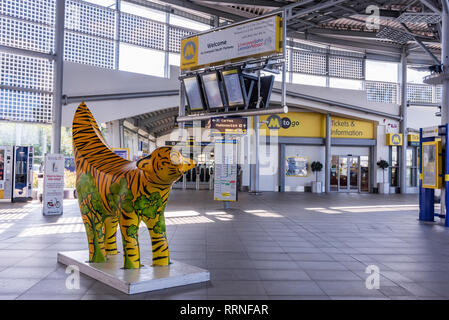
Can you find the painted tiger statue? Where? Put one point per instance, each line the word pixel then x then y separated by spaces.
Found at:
pixel 112 191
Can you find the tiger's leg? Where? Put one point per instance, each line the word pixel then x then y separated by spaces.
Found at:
pixel 129 227
pixel 159 244
pixel 95 231
pixel 111 235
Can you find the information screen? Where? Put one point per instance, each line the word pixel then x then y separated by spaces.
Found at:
pixel 2 164
pixel 429 165
pixel 193 92
pixel 212 89
pixel 233 87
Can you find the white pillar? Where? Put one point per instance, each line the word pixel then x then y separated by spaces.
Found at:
pixel 403 158
pixel 58 75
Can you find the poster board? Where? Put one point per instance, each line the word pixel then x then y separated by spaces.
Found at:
pixel 257 38
pixel 225 173
pixel 122 152
pixel 53 195
pixel 431 165
pixel 297 166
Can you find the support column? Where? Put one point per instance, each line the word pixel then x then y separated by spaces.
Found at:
pixel 114 136
pixel 403 126
pixel 118 8
pixel 445 61
pixel 328 155
pixel 58 77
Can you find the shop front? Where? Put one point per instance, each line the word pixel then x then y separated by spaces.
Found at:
pixel 300 138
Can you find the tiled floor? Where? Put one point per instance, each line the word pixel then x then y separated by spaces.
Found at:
pixel 272 246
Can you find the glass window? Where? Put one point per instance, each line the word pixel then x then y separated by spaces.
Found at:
pixel 309 79
pixel 415 76
pixel 141 60
pixel 345 83
pixel 143 12
pixel 411 168
pixel 394 169
pixel 187 23
pixel 381 71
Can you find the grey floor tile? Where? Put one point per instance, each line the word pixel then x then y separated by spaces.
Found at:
pixel 254 288
pixel 332 275
pixel 276 274
pixel 347 288
pixel 289 288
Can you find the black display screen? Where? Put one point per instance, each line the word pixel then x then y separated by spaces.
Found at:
pixel 212 91
pixel 233 87
pixel 193 93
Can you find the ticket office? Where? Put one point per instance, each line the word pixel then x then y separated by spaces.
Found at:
pixel 302 143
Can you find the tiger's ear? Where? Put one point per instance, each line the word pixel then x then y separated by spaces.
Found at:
pixel 144 163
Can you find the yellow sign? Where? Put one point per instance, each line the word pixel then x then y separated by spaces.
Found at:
pixel 257 38
pixel 351 129
pixel 313 125
pixel 432 164
pixel 293 124
pixel 189 53
pixel 394 139
pixel 413 137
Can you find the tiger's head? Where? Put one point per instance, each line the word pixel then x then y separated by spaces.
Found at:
pixel 165 165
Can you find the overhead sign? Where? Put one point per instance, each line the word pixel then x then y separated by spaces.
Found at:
pixel 228 125
pixel 225 173
pixel 430 132
pixel 394 139
pixel 413 140
pixel 53 195
pixel 313 125
pixel 256 38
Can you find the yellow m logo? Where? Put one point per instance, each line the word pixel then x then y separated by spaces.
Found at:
pixel 273 122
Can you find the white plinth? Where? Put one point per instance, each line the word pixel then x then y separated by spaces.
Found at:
pixel 132 281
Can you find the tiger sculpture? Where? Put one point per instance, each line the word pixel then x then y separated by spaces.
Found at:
pixel 112 191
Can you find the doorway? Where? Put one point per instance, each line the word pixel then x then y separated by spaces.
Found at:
pixel 349 173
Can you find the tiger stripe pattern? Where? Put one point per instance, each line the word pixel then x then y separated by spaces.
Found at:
pixel 115 192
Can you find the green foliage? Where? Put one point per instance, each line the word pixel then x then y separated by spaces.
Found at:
pixel 88 195
pixel 148 206
pixel 121 196
pixel 316 166
pixel 383 164
pixel 132 231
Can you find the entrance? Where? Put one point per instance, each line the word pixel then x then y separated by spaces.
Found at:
pixel 349 174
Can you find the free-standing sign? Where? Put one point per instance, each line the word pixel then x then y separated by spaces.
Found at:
pixel 394 139
pixel 53 195
pixel 225 174
pixel 256 38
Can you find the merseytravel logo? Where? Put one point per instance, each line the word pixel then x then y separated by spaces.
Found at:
pixel 274 122
pixel 189 53
pixel 189 50
pixel 396 139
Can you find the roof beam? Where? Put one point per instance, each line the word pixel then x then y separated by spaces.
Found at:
pixel 215 12
pixel 431 6
pixel 421 44
pixel 257 3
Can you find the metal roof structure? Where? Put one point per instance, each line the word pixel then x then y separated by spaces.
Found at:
pixel 376 29
pixel 348 24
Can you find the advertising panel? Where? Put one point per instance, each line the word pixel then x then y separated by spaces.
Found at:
pixel 225 179
pixel 431 165
pixel 256 38
pixel 53 195
pixel 297 166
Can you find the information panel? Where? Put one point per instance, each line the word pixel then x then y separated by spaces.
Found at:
pixel 255 38
pixel 53 195
pixel 431 165
pixel 225 183
pixel 296 166
pixel 235 126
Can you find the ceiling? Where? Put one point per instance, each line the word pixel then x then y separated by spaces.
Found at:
pixel 344 23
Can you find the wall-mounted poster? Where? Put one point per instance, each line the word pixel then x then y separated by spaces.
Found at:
pixel 122 152
pixel 296 166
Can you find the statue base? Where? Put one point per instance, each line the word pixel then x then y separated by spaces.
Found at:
pixel 132 281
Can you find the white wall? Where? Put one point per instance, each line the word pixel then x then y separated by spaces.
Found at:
pixel 268 167
pixel 315 153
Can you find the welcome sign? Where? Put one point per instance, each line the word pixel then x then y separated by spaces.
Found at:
pixel 256 38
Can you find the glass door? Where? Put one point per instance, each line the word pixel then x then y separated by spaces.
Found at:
pixel 364 174
pixel 343 170
pixel 334 173
pixel 353 168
